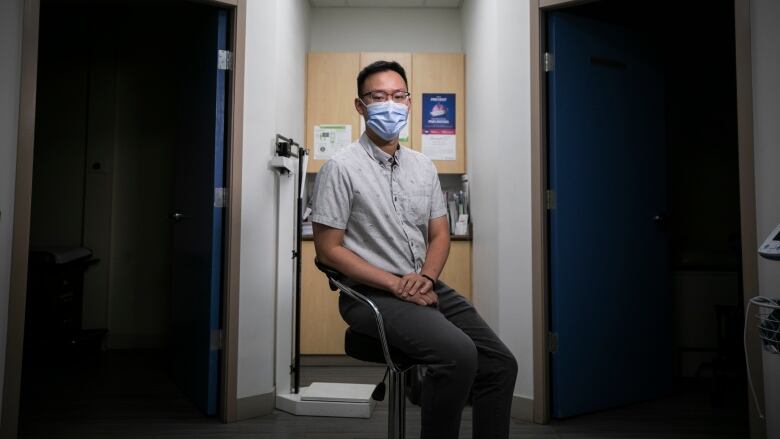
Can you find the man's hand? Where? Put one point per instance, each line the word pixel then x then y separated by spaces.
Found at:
pixel 415 288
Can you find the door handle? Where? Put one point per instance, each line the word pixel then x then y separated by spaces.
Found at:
pixel 660 222
pixel 176 216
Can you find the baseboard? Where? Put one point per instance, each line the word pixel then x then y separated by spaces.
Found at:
pixel 523 408
pixel 254 406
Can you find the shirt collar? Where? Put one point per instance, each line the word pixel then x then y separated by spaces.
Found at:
pixel 376 152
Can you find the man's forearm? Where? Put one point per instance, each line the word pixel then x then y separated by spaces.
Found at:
pixel 436 256
pixel 358 269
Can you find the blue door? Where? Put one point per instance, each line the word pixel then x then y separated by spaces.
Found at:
pixel 194 339
pixel 610 306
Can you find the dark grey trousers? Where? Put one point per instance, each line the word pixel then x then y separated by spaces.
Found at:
pixel 462 353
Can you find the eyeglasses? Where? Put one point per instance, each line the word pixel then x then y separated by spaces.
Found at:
pixel 398 97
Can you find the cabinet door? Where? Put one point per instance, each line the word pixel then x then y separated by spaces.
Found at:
pixel 322 328
pixel 330 95
pixel 405 59
pixel 440 73
pixel 457 271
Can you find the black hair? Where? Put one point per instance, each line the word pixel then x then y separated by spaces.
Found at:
pixel 380 66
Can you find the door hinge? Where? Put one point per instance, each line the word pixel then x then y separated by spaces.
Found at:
pixel 220 197
pixel 549 199
pixel 224 60
pixel 549 62
pixel 215 343
pixel 552 342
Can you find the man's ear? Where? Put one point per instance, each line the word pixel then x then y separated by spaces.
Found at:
pixel 359 106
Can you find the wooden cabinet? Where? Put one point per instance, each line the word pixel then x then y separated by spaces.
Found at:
pixel 440 73
pixel 332 88
pixel 322 329
pixel 457 271
pixel 330 95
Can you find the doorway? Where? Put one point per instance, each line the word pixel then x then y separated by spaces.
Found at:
pixel 131 132
pixel 662 304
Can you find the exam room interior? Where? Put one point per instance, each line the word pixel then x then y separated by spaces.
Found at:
pixel 455 40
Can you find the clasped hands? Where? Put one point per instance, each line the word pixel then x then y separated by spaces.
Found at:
pixel 415 288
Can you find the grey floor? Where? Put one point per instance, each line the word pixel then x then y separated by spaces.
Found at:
pixel 128 395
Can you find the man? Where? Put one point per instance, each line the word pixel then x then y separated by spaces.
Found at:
pixel 380 219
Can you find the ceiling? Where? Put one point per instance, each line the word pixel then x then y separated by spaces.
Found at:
pixel 386 3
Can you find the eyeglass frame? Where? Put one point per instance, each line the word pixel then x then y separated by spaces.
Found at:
pixel 387 95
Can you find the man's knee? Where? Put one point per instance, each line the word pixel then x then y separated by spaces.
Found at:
pixel 500 366
pixel 467 358
pixel 509 367
pixel 458 356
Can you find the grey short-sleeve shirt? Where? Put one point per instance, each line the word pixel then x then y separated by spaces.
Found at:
pixel 382 202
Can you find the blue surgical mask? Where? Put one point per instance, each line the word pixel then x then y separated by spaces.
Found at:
pixel 386 119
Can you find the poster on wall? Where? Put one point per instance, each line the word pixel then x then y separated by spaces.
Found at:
pixel 438 127
pixel 330 139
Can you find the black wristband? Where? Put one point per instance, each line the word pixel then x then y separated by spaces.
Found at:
pixel 433 282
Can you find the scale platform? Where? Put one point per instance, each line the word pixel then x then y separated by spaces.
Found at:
pixel 338 400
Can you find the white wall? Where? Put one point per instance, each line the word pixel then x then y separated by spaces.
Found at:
pixel 496 40
pixel 385 30
pixel 277 39
pixel 480 35
pixel 765 48
pixel 515 317
pixel 765 14
pixel 10 74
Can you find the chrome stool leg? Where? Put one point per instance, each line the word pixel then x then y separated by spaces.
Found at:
pixel 396 421
pixel 397 406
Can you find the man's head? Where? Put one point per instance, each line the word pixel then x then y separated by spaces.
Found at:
pixel 382 86
pixel 364 79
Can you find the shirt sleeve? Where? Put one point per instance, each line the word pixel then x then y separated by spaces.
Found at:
pixel 332 197
pixel 438 204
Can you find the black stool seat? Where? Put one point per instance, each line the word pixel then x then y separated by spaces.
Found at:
pixel 366 348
